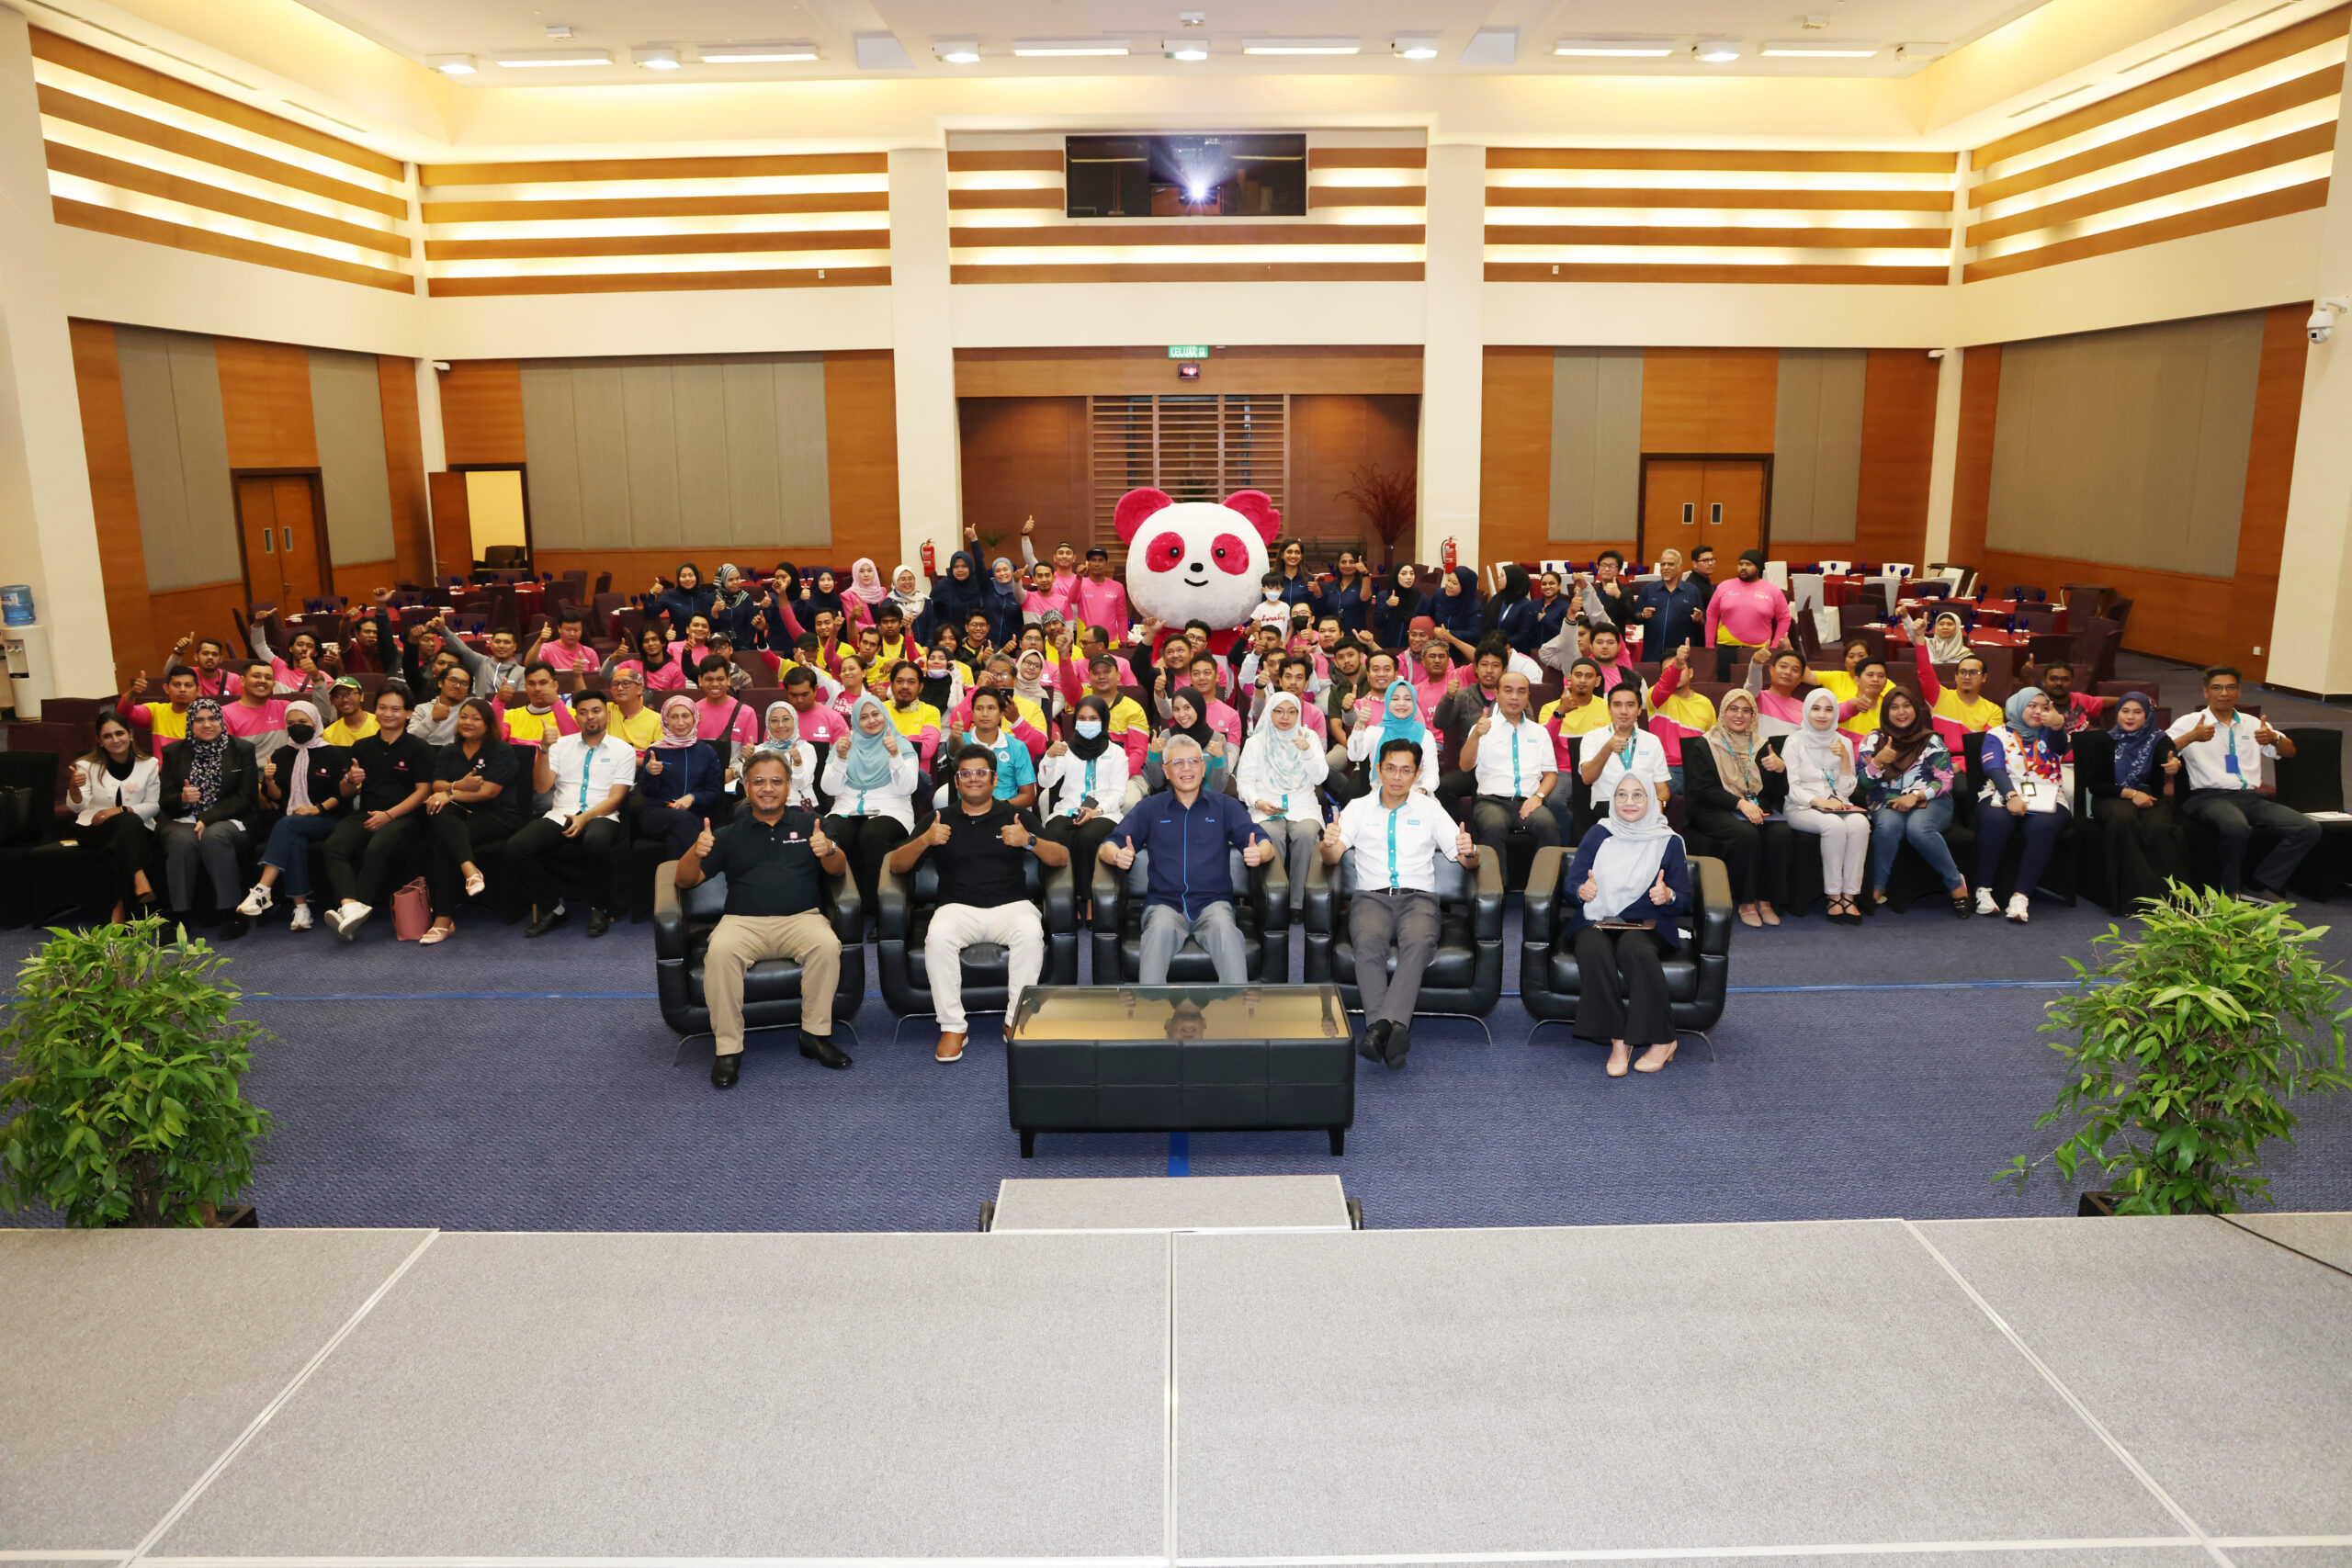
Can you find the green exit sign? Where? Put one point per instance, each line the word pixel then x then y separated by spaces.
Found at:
pixel 1188 351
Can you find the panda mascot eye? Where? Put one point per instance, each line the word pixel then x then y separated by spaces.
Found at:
pixel 1230 554
pixel 1166 554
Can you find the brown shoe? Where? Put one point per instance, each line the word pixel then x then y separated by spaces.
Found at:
pixel 951 1048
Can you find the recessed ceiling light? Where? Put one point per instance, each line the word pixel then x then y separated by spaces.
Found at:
pixel 451 65
pixel 1068 47
pixel 1301 46
pixel 1185 48
pixel 1492 46
pixel 523 57
pixel 1716 50
pixel 1415 46
pixel 754 53
pixel 881 52
pixel 957 51
pixel 559 32
pixel 655 57
pixel 1616 48
pixel 1804 49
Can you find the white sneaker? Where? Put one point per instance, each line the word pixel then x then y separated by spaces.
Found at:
pixel 348 920
pixel 1985 904
pixel 257 901
pixel 301 921
pixel 2021 907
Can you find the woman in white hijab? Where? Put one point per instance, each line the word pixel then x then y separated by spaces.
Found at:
pixel 1279 780
pixel 1630 879
pixel 783 737
pixel 1820 763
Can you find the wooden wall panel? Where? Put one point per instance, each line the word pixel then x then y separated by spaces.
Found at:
pixel 2269 468
pixel 481 411
pixel 1515 456
pixel 1084 372
pixel 1024 457
pixel 201 611
pixel 122 554
pixel 1972 493
pixel 1898 445
pixel 1709 400
pixel 355 580
pixel 861 441
pixel 405 469
pixel 1330 434
pixel 265 404
pixel 2172 614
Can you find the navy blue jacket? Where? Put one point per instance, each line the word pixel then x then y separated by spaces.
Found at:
pixel 682 605
pixel 1671 617
pixel 1189 867
pixel 691 778
pixel 1349 604
pixel 1676 865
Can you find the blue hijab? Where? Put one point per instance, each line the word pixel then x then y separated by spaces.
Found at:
pixel 868 765
pixel 2135 749
pixel 1395 728
pixel 952 601
pixel 1460 613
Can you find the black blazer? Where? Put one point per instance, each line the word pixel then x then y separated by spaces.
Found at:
pixel 2095 766
pixel 1704 789
pixel 240 783
pixel 327 764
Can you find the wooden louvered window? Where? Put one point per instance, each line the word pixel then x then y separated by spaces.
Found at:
pixel 1201 447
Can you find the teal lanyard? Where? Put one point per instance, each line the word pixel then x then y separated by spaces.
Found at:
pixel 1515 790
pixel 1392 846
pixel 586 758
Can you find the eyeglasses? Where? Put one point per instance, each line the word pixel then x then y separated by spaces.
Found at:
pixel 973 774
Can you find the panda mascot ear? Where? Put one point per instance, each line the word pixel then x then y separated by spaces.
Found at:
pixel 1259 507
pixel 1134 508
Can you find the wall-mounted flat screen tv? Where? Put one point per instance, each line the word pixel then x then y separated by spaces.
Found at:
pixel 1224 176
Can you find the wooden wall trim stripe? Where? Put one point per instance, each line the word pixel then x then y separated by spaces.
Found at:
pixel 1752 162
pixel 1367 158
pixel 1367 196
pixel 745 206
pixel 113 172
pixel 2301 198
pixel 2231 62
pixel 2307 142
pixel 585 169
pixel 2221 116
pixel 59 50
pixel 155 232
pixel 1722 196
pixel 659 244
pixel 1199 271
pixel 1825 238
pixel 1165 234
pixel 78 110
pixel 657 282
pixel 1047 199
pixel 1031 158
pixel 1662 272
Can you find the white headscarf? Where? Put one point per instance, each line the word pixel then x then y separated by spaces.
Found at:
pixel 906 592
pixel 1287 768
pixel 1950 650
pixel 1626 864
pixel 1816 755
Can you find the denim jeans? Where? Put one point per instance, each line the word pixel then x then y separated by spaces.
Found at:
pixel 289 849
pixel 1924 826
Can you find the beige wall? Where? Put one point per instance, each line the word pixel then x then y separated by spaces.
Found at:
pixel 2128 446
pixel 348 411
pixel 179 457
pixel 1817 444
pixel 1596 441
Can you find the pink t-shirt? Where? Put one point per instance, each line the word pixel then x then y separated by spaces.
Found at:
pixel 559 657
pixel 821 725
pixel 1103 604
pixel 1755 614
pixel 243 719
pixel 729 717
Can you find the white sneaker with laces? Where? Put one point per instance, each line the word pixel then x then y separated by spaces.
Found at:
pixel 348 920
pixel 257 901
pixel 301 921
pixel 1985 904
pixel 2021 907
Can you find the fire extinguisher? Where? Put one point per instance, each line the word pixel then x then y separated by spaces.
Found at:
pixel 1449 552
pixel 930 558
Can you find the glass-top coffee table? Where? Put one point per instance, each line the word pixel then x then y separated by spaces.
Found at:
pixel 1179 1058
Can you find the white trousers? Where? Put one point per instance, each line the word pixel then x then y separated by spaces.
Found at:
pixel 1019 929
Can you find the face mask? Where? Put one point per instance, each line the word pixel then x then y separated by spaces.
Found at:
pixel 1089 729
pixel 300 734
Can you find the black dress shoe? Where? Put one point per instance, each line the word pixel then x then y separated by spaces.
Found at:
pixel 724 1069
pixel 234 927
pixel 1400 1040
pixel 822 1049
pixel 599 921
pixel 1373 1046
pixel 546 923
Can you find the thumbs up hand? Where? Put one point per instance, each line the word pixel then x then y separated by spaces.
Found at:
pixel 1592 888
pixel 704 840
pixel 1659 892
pixel 1485 723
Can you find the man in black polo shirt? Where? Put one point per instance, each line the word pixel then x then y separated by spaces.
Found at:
pixel 979 843
pixel 771 855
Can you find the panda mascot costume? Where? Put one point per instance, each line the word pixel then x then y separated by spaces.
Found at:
pixel 1195 560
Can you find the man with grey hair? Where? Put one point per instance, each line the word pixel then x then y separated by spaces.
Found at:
pixel 1187 833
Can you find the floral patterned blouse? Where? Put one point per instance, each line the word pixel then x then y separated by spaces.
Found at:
pixel 1929 775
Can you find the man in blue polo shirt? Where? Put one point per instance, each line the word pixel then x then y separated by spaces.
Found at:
pixel 1187 833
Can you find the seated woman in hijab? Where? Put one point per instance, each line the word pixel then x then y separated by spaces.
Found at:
pixel 957 594
pixel 1820 760
pixel 781 735
pixel 2129 785
pixel 1906 784
pixel 914 604
pixel 211 805
pixel 1185 717
pixel 1397 609
pixel 1512 613
pixel 304 779
pixel 1734 785
pixel 2024 793
pixel 1082 783
pixel 945 681
pixel 1401 719
pixel 1003 601
pixel 1628 882
pixel 871 777
pixel 1279 780
pixel 682 785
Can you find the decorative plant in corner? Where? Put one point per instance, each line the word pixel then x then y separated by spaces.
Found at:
pixel 2188 1045
pixel 127 1095
pixel 1386 501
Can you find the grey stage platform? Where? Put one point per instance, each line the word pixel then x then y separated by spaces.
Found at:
pixel 2123 1393
pixel 1064 1204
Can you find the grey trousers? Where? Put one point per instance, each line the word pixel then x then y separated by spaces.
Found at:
pixel 1378 920
pixel 1297 843
pixel 1165 929
pixel 217 850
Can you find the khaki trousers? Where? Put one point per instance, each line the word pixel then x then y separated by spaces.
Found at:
pixel 742 941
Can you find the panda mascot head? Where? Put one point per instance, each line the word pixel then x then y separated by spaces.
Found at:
pixel 1195 560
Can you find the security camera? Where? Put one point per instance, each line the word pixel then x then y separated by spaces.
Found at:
pixel 442 365
pixel 2322 325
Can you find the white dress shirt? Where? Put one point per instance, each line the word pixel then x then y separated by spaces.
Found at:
pixel 1399 847
pixel 142 794
pixel 582 777
pixel 1645 760
pixel 2207 762
pixel 1513 758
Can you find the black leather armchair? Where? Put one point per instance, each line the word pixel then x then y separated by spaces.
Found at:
pixel 772 987
pixel 1261 908
pixel 906 902
pixel 1465 974
pixel 1698 974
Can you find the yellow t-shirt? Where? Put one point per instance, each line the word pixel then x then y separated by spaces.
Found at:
pixel 1864 720
pixel 164 723
pixel 1974 717
pixel 528 728
pixel 1127 714
pixel 641 731
pixel 1688 707
pixel 1837 683
pixel 342 734
pixel 1583 721
pixel 914 721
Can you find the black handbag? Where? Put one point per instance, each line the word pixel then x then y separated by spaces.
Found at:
pixel 19 815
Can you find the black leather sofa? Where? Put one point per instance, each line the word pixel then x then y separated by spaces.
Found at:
pixel 1465 974
pixel 906 904
pixel 772 987
pixel 1698 974
pixel 1261 897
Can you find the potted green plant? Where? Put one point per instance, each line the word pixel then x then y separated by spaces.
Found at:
pixel 2187 1046
pixel 127 1093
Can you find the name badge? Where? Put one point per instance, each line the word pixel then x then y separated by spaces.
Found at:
pixel 2030 789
